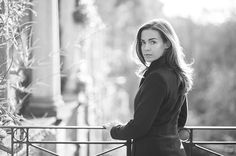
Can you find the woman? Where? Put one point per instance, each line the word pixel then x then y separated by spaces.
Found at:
pixel 160 103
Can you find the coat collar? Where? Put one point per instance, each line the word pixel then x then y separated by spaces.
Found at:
pixel 160 62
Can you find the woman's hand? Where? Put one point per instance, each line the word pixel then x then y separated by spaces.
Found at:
pixel 184 134
pixel 109 125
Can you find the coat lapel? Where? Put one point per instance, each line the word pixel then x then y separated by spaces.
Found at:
pixel 153 66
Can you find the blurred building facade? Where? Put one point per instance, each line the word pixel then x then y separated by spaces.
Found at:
pixel 68 79
pixel 65 53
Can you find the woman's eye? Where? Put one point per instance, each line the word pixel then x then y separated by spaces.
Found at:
pixel 153 42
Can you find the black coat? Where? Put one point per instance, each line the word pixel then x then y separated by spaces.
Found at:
pixel 159 110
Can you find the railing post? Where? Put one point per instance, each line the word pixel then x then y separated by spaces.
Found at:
pixel 128 146
pixel 27 141
pixel 191 142
pixel 12 141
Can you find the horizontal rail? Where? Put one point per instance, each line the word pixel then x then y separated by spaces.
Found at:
pixel 211 127
pixel 54 127
pixel 101 127
pixel 72 142
pixel 215 142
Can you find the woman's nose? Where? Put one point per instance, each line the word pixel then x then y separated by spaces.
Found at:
pixel 147 46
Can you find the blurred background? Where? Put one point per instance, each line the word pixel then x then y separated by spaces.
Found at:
pixel 74 64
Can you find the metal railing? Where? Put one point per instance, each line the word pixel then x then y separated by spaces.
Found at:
pixel 24 139
pixel 197 143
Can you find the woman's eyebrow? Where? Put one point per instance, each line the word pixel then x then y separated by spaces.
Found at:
pixel 150 39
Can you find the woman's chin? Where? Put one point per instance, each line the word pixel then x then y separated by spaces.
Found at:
pixel 148 60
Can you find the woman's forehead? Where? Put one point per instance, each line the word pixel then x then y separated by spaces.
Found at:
pixel 148 34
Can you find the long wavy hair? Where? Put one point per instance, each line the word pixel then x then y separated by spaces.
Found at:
pixel 174 55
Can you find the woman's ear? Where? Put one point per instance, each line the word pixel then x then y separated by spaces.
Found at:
pixel 167 44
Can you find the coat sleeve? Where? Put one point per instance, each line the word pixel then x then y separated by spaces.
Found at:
pixel 183 114
pixel 154 90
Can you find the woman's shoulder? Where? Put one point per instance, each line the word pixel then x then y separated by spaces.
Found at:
pixel 157 76
pixel 163 72
pixel 165 75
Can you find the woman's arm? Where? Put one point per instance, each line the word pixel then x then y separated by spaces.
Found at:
pixel 154 90
pixel 183 113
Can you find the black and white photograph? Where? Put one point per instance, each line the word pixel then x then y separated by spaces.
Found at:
pixel 117 77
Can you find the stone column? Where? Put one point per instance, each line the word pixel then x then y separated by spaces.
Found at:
pixel 3 57
pixel 46 90
pixel 3 70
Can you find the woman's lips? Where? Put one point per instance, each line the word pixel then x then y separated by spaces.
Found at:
pixel 147 55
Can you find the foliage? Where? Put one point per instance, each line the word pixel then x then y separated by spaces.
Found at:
pixel 12 31
pixel 12 13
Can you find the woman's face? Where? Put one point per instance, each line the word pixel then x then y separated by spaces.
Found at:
pixel 152 45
